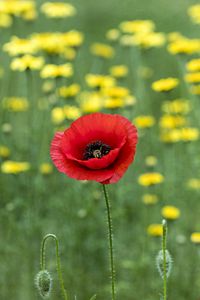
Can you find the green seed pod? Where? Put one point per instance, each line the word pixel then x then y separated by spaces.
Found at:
pixel 160 263
pixel 43 282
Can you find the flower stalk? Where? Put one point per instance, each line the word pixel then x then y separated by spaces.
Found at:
pixel 110 240
pixel 164 242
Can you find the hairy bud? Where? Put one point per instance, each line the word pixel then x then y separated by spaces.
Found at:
pixel 160 263
pixel 43 282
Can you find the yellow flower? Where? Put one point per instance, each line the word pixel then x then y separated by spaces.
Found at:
pixel 193 77
pixel 195 237
pixel 127 40
pixel 71 112
pixel 149 179
pixel 111 103
pixel 4 151
pixel 102 50
pixel 149 199
pixel 13 167
pixel 19 46
pixel 178 106
pixel 57 115
pixel 195 89
pixel 17 8
pixel 171 121
pixel 119 71
pixel 45 168
pixel 113 35
pixel 194 183
pixel 99 81
pixel 194 13
pixel 184 45
pixel 137 26
pixel 193 65
pixel 151 161
pixel 144 121
pixel 53 71
pixel 155 230
pixel 69 91
pixel 5 20
pixel 58 9
pixel 115 91
pixel 165 84
pixel 170 212
pixel 27 62
pixel 149 39
pixel 172 136
pixel 189 134
pixel 15 104
pixel 90 102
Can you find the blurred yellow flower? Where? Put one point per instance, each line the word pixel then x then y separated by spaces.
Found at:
pixel 195 237
pixel 115 91
pixel 53 71
pixel 58 9
pixel 171 121
pixel 155 230
pixel 136 26
pixel 69 91
pixel 18 46
pixel 149 179
pixel 189 134
pixel 193 77
pixel 27 62
pixel 149 199
pixel 171 136
pixel 5 20
pixel 18 8
pixel 102 50
pixel 184 45
pixel 15 104
pixel 113 35
pixel 193 65
pixel 170 212
pixel 112 103
pixel 195 89
pixel 71 112
pixel 119 71
pixel 151 161
pixel 99 81
pixel 144 121
pixel 57 115
pixel 4 151
pixel 149 39
pixel 165 84
pixel 194 13
pixel 13 167
pixel 194 183
pixel 46 168
pixel 90 102
pixel 178 106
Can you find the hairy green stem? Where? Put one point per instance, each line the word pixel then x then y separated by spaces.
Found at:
pixel 164 242
pixel 58 262
pixel 110 240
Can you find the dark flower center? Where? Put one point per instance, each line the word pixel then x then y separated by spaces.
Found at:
pixel 96 149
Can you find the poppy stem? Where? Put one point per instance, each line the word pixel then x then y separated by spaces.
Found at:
pixel 110 240
pixel 58 262
pixel 164 242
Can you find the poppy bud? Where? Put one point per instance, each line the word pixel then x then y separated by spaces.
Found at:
pixel 160 263
pixel 43 282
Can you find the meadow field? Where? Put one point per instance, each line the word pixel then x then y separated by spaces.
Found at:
pixel 138 59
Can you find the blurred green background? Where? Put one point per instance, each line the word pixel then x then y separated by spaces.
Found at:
pixel 32 206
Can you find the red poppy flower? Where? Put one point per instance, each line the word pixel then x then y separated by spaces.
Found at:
pixel 96 147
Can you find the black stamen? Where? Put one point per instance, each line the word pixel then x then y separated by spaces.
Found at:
pixel 96 149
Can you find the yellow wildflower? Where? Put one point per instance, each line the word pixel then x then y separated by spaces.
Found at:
pixel 119 71
pixel 90 102
pixel 4 151
pixel 45 168
pixel 170 212
pixel 5 20
pixel 69 91
pixel 102 50
pixel 127 40
pixel 71 112
pixel 171 121
pixel 195 237
pixel 193 77
pixel 194 183
pixel 111 103
pixel 115 92
pixel 194 13
pixel 165 84
pixel 99 81
pixel 149 39
pixel 27 62
pixel 172 136
pixel 149 199
pixel 57 115
pixel 151 161
pixel 178 106
pixel 193 65
pixel 15 104
pixel 184 46
pixel 155 230
pixel 17 8
pixel 149 179
pixel 195 89
pixel 113 35
pixel 53 71
pixel 19 46
pixel 189 134
pixel 137 26
pixel 13 167
pixel 144 121
pixel 58 9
